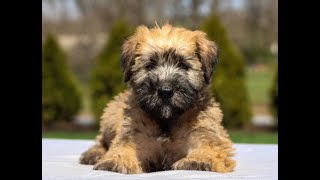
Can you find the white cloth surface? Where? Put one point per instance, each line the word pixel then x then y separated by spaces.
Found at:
pixel 60 160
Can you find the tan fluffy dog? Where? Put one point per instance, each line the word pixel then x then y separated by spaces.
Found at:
pixel 166 119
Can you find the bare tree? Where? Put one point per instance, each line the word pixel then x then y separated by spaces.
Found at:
pixel 138 11
pixel 154 11
pixel 195 12
pixel 215 6
pixel 270 27
pixel 254 10
pixel 83 6
pixel 262 19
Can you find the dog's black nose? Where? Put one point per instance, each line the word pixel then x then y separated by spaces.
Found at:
pixel 165 91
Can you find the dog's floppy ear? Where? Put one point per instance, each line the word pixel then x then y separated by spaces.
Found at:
pixel 127 56
pixel 208 53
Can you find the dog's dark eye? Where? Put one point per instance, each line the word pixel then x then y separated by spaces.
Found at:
pixel 151 65
pixel 184 66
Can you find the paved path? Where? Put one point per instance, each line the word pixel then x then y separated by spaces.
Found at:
pixel 60 161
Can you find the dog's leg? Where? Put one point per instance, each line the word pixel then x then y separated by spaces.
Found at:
pixel 121 159
pixel 206 151
pixel 206 158
pixel 94 153
pixel 131 158
pixel 132 152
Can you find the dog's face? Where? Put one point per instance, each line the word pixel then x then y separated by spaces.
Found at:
pixel 167 68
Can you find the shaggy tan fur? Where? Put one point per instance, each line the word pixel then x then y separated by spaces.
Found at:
pixel 131 142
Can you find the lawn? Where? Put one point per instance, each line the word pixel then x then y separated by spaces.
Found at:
pixel 239 136
pixel 258 84
pixel 86 102
pixel 69 134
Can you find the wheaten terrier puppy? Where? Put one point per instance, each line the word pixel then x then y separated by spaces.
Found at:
pixel 167 118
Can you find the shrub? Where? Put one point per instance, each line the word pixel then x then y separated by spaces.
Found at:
pixel 107 79
pixel 228 82
pixel 61 98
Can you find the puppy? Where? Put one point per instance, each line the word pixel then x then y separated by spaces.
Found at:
pixel 167 118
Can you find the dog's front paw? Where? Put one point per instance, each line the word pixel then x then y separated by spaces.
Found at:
pixel 92 155
pixel 191 164
pixel 119 164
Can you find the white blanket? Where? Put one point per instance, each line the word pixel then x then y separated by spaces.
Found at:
pixel 60 160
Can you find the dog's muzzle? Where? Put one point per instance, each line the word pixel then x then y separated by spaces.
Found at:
pixel 165 91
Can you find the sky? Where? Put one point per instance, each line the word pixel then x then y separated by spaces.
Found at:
pixel 71 6
pixel 73 11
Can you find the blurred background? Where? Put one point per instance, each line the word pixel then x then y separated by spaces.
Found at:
pixel 81 42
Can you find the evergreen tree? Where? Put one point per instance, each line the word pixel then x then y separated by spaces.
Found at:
pixel 61 98
pixel 107 78
pixel 228 82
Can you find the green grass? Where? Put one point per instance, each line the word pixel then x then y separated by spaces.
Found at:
pixel 236 136
pixel 254 137
pixel 69 135
pixel 258 84
pixel 86 102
